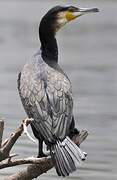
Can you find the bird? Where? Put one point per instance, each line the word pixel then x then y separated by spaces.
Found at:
pixel 46 93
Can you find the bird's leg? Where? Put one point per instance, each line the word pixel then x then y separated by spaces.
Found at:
pixel 40 150
pixel 72 130
pixel 40 140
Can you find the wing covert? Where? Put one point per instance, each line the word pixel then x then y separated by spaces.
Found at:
pixel 50 105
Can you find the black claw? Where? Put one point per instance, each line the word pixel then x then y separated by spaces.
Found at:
pixel 73 132
pixel 41 155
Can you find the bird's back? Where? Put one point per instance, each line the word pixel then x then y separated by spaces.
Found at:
pixel 46 96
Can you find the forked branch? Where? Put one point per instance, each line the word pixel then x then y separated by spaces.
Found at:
pixel 38 165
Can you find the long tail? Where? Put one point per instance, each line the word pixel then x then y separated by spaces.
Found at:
pixel 67 156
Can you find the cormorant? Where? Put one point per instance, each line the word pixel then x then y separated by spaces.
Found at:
pixel 46 93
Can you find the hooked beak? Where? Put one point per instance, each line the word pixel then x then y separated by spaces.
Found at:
pixel 88 10
pixel 79 12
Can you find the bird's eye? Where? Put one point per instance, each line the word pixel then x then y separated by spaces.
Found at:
pixel 71 9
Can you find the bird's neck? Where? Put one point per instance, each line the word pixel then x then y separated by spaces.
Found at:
pixel 49 46
pixel 49 50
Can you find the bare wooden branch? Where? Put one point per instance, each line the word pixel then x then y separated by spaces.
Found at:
pixel 38 165
pixel 35 170
pixel 30 160
pixel 1 131
pixel 8 144
pixel 78 139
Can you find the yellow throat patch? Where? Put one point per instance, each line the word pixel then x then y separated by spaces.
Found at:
pixel 70 16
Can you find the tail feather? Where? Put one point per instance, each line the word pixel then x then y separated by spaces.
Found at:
pixel 68 162
pixel 67 156
pixel 76 159
pixel 59 162
pixel 78 155
pixel 57 165
pixel 79 151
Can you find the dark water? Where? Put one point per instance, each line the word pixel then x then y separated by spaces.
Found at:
pixel 88 53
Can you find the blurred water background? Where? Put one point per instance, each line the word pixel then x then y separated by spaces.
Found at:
pixel 88 53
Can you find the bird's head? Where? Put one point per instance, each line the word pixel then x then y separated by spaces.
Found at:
pixel 60 15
